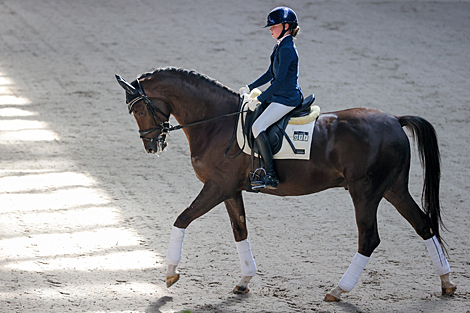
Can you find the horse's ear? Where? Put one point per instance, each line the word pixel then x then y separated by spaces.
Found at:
pixel 127 87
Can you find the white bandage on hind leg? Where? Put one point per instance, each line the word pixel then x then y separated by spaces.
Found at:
pixel 350 278
pixel 175 249
pixel 247 263
pixel 438 259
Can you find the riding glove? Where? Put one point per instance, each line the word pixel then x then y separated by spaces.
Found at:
pixel 244 90
pixel 253 103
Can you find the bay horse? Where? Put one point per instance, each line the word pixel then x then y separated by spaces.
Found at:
pixel 365 151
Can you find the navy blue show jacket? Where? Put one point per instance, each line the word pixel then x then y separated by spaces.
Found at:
pixel 283 74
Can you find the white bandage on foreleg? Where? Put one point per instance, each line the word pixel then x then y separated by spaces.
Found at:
pixel 176 246
pixel 247 263
pixel 350 278
pixel 437 256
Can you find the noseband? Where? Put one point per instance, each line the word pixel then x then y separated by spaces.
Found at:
pixel 163 126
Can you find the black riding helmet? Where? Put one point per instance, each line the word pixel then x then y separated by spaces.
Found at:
pixel 282 15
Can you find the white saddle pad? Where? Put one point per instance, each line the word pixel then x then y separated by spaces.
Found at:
pixel 299 130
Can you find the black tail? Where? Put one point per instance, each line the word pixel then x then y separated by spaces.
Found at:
pixel 425 136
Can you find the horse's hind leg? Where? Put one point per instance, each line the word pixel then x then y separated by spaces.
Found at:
pixel 236 212
pixel 401 199
pixel 366 200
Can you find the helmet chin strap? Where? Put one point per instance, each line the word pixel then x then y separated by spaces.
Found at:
pixel 284 30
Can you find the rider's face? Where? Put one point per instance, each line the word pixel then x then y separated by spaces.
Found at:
pixel 276 30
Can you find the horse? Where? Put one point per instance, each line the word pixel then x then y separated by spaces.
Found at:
pixel 365 151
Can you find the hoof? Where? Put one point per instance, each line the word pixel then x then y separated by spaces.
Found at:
pixel 334 294
pixel 330 298
pixel 170 280
pixel 449 290
pixel 240 290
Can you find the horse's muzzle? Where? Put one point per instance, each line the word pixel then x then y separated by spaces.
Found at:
pixel 155 146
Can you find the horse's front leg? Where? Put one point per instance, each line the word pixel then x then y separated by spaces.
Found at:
pixel 236 211
pixel 174 255
pixel 208 198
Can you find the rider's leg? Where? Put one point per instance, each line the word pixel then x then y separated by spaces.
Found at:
pixel 264 148
pixel 273 113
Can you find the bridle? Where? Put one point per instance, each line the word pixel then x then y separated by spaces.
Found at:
pixel 164 126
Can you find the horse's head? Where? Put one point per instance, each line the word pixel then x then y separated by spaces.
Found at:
pixel 152 122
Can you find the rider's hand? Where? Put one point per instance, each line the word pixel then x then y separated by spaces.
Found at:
pixel 253 103
pixel 244 90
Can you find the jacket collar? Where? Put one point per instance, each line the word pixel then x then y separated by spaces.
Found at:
pixel 282 39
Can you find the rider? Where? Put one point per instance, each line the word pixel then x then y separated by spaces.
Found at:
pixel 284 93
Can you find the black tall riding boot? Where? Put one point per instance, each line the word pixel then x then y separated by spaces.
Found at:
pixel 264 148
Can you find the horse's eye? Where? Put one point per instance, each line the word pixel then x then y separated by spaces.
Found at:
pixel 140 113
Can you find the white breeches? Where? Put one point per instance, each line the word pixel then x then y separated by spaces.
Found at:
pixel 273 113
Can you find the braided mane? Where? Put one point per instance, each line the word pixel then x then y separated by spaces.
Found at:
pixel 189 74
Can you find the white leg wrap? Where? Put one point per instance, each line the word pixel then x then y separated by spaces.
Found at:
pixel 176 246
pixel 438 259
pixel 247 262
pixel 350 278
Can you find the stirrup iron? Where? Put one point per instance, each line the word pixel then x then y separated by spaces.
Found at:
pixel 257 180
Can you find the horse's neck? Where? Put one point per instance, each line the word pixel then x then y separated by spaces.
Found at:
pixel 194 106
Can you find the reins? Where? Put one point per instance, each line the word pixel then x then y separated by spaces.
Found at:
pixel 234 134
pixel 165 127
pixel 171 128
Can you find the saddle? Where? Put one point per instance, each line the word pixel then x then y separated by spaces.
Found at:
pixel 276 131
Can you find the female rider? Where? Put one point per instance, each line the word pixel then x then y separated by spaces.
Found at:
pixel 284 93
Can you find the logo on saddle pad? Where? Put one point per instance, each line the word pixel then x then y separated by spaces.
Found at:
pixel 300 136
pixel 299 131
